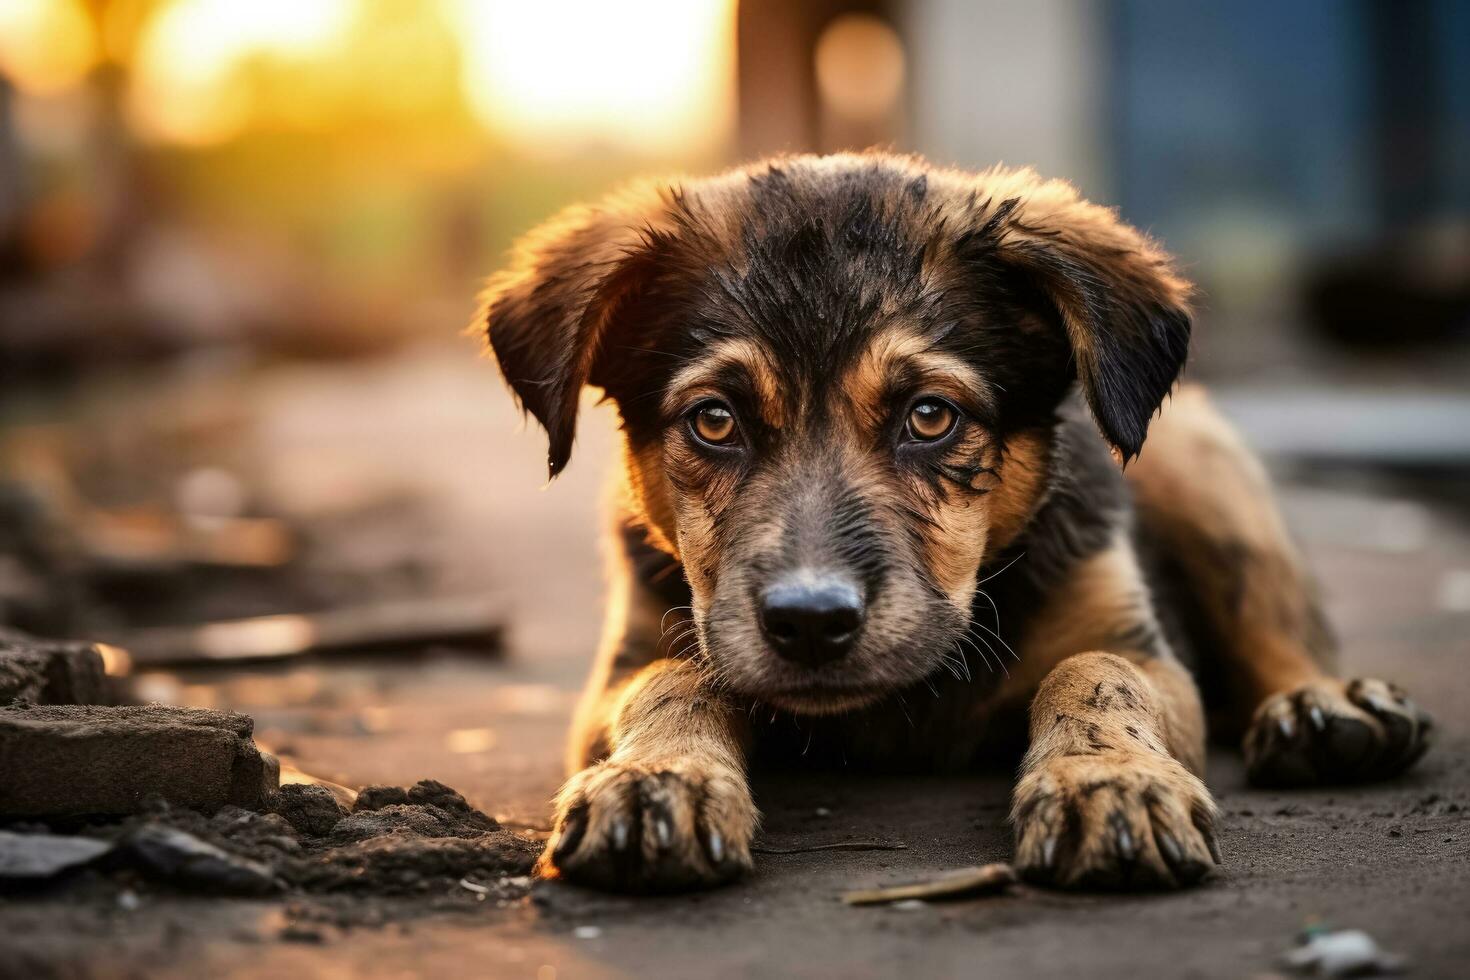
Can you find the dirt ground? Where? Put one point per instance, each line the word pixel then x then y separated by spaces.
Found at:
pixel 1392 859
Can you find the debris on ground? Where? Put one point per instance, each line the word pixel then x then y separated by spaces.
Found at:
pixel 842 845
pixel 1341 953
pixel 77 760
pixel 467 624
pixel 32 857
pixel 988 879
pixel 50 671
pixel 433 846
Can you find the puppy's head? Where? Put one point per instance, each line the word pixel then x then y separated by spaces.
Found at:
pixel 837 378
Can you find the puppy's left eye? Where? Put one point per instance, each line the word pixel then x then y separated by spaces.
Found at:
pixel 931 420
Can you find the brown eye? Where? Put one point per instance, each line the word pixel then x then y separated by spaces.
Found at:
pixel 714 423
pixel 931 419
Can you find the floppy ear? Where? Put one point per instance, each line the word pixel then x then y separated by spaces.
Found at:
pixel 1125 309
pixel 548 313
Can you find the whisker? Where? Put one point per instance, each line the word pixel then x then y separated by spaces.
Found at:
pixel 967 638
pixel 1014 655
pixel 1001 569
pixel 994 607
pixel 665 617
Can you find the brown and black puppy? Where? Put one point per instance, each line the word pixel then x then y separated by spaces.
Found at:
pixel 867 518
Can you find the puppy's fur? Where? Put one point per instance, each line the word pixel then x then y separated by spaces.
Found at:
pixel 1009 568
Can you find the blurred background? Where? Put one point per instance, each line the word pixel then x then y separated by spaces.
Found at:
pixel 244 443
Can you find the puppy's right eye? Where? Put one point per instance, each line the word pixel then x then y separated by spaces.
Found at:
pixel 713 423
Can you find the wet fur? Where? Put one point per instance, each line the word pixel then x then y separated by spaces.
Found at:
pixel 1010 575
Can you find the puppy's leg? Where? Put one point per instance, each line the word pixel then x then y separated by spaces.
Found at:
pixel 1109 794
pixel 1210 502
pixel 669 808
pixel 658 799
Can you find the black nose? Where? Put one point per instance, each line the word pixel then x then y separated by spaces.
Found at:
pixel 811 623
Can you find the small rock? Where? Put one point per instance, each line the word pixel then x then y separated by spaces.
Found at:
pixel 587 932
pixel 431 792
pixel 312 810
pixel 37 856
pixel 189 861
pixel 377 797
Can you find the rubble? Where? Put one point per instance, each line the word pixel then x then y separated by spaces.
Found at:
pixel 406 863
pixel 426 847
pixel 188 861
pixel 76 760
pixel 49 671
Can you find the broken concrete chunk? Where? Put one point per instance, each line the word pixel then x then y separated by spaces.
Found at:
pixel 72 760
pixel 38 856
pixel 190 862
pixel 49 671
pixel 311 809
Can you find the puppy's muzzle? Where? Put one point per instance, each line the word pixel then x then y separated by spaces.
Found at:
pixel 811 620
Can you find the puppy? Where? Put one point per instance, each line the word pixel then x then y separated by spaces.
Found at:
pixel 875 418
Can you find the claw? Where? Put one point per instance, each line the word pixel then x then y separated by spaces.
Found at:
pixel 1170 847
pixel 1378 704
pixel 573 828
pixel 620 834
pixel 1285 726
pixel 1124 840
pixel 1049 853
pixel 1319 720
pixel 716 846
pixel 664 832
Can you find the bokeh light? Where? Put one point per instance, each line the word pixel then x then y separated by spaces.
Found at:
pixel 860 67
pixel 642 75
pixel 186 84
pixel 46 45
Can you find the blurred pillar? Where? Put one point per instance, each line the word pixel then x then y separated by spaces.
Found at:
pixel 10 181
pixel 996 81
pixel 1407 111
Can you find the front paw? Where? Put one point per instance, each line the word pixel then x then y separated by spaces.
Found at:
pixel 1115 819
pixel 658 827
pixel 1333 731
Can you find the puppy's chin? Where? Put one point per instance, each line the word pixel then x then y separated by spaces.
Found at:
pixel 823 701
